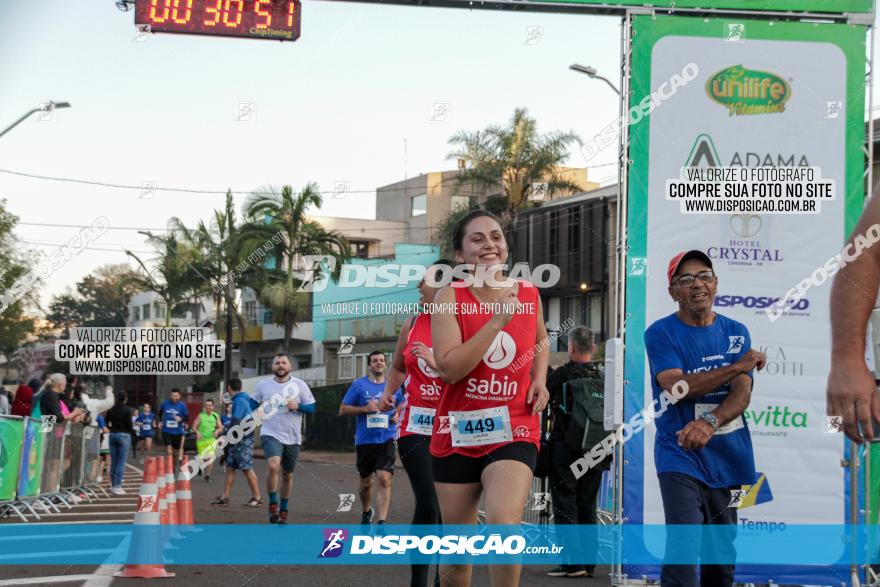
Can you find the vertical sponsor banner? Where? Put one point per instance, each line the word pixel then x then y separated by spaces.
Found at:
pixel 767 94
pixel 31 474
pixel 11 437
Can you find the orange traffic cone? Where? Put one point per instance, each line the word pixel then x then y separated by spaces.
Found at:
pixel 170 492
pixel 160 483
pixel 184 496
pixel 144 543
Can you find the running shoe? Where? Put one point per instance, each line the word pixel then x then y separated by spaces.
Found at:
pixel 220 500
pixel 282 517
pixel 273 513
pixel 367 517
pixel 253 503
pixel 560 571
pixel 576 571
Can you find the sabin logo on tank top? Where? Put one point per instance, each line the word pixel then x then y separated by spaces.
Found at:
pixel 500 354
pixel 426 369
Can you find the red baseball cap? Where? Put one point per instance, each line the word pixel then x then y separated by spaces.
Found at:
pixel 680 258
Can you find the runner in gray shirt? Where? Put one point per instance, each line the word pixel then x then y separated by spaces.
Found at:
pixel 281 435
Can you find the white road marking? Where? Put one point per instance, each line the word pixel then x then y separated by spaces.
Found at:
pixel 44 580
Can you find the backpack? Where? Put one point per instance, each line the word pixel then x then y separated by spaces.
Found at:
pixel 585 427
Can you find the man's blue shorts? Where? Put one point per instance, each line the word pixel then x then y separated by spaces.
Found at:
pixel 241 455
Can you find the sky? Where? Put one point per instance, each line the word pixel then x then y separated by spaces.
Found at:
pixel 352 101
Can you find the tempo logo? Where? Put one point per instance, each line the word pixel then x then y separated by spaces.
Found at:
pixel 470 545
pixel 334 542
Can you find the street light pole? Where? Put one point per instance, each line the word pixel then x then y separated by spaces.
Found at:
pixel 591 71
pixel 47 107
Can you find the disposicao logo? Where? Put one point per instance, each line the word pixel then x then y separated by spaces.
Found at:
pixel 334 542
pixel 748 91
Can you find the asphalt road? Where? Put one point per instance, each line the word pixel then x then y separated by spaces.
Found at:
pixel 318 481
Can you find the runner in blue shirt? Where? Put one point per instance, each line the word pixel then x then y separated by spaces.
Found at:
pixel 239 455
pixel 374 436
pixel 146 430
pixel 702 448
pixel 173 415
pixel 226 417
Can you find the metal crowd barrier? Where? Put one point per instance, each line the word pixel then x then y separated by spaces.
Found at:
pixel 45 464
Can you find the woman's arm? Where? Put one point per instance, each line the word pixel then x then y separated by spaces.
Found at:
pixel 454 358
pixel 397 372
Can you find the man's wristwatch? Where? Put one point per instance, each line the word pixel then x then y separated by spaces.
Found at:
pixel 711 420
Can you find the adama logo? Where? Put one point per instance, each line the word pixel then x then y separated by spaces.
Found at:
pixel 747 91
pixel 501 351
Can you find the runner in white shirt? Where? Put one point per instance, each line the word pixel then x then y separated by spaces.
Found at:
pixel 281 434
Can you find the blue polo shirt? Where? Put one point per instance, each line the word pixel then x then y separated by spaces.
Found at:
pixel 359 394
pixel 727 459
pixel 147 425
pixel 169 409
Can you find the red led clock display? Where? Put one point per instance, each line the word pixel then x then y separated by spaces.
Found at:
pixel 278 20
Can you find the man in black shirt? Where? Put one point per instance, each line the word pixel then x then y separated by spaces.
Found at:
pixel 574 500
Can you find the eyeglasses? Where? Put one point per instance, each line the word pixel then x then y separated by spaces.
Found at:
pixel 687 280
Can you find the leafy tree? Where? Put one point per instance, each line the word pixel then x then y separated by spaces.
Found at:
pixel 270 214
pixel 15 323
pixel 515 157
pixel 100 299
pixel 222 263
pixel 175 276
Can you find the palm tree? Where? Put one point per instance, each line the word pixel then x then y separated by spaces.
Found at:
pixel 174 277
pixel 222 266
pixel 515 157
pixel 271 214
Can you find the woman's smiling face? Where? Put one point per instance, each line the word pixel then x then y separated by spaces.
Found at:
pixel 483 243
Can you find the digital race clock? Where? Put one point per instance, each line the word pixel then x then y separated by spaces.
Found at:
pixel 256 19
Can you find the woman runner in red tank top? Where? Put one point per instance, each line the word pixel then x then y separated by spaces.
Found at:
pixel 486 429
pixel 414 367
